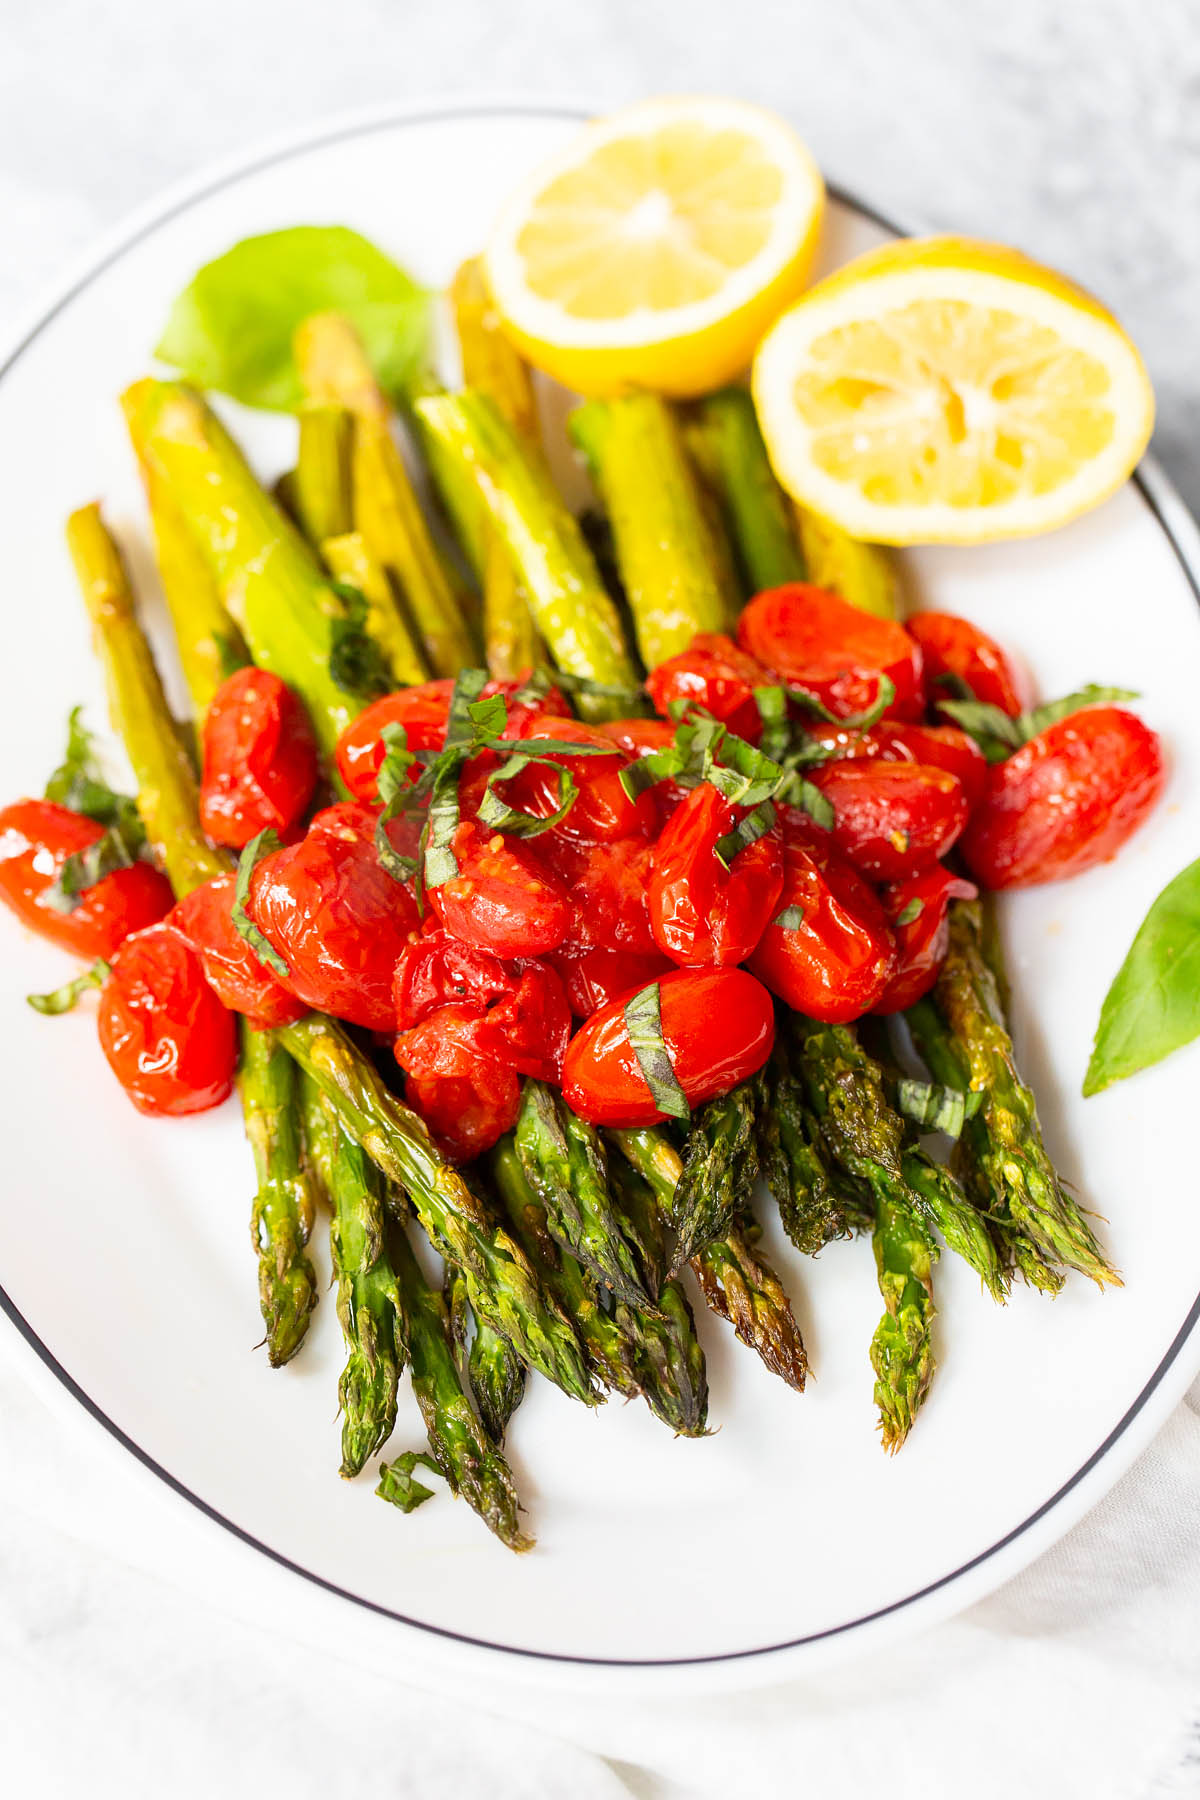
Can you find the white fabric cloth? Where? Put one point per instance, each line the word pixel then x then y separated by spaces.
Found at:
pixel 1067 129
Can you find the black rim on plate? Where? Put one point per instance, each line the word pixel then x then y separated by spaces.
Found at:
pixel 253 166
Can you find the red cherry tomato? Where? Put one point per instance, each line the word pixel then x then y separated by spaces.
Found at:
pixel 36 838
pixel 594 977
pixel 602 810
pixel 502 898
pixel 936 746
pixel 814 640
pixel 240 980
pixel 608 885
pixel 717 675
pixel 434 970
pixel 953 646
pixel 168 1040
pixel 700 910
pixel 260 759
pixel 423 711
pixel 529 1027
pixel 642 737
pixel 466 1095
pixel 337 918
pixel 891 819
pixel 1066 800
pixel 838 959
pixel 922 941
pixel 718 1026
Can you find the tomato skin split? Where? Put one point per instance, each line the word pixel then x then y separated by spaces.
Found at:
pixel 718 1026
pixel 815 640
pixel 466 1095
pixel 260 759
pixel 700 911
pixel 167 1038
pixel 1066 800
pixel 36 838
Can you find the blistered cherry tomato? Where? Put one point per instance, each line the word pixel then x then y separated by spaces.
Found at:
pixel 937 746
pixel 168 1040
pixel 702 911
pixel 36 838
pixel 337 918
pixel 717 675
pixel 923 939
pixel 602 809
pixel 502 899
pixel 815 640
pixel 1066 800
pixel 594 977
pixel 718 1026
pixel 891 819
pixel 528 1028
pixel 435 970
pixel 240 980
pixel 835 954
pixel 953 646
pixel 423 711
pixel 466 1095
pixel 608 885
pixel 260 759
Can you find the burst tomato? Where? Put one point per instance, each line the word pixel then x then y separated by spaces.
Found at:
pixel 715 674
pixel 921 941
pixel 718 1026
pixel 602 810
pixel 168 1039
pixel 815 640
pixel 260 759
pixel 528 1028
pixel 892 819
pixel 502 899
pixel 337 918
pixel 240 980
pixel 594 977
pixel 466 1095
pixel 836 955
pixel 423 711
pixel 1066 800
pixel 702 911
pixel 608 887
pixel 435 970
pixel 953 646
pixel 36 838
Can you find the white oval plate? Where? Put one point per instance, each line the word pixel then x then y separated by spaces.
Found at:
pixel 787 1537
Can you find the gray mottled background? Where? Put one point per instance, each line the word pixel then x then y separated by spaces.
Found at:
pixel 1069 127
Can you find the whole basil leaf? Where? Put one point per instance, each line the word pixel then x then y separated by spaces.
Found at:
pixel 232 326
pixel 1153 1005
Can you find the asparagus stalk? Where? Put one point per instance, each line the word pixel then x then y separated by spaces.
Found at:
pixel 816 1201
pixel 670 1357
pixel 169 806
pixel 674 570
pixel 349 559
pixel 720 1168
pixel 472 1465
pixel 863 574
pixel 571 606
pixel 737 1283
pixel 209 643
pixel 284 1205
pixel 267 576
pixel 563 1158
pixel 491 1370
pixel 501 1285
pixel 1003 1142
pixel 865 1136
pixel 723 439
pixel 335 372
pixel 368 1301
pixel 940 1197
pixel 322 486
pixel 492 365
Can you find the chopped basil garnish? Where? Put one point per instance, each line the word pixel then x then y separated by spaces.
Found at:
pixel 790 919
pixel 643 1020
pixel 85 868
pixel 356 663
pixel 998 734
pixel 747 831
pixel 909 913
pixel 67 997
pixel 494 810
pixel 263 845
pixel 937 1108
pixel 78 784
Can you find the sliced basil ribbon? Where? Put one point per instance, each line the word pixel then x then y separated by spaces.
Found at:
pixel 85 868
pixel 67 997
pixel 265 844
pixel 907 914
pixel 494 810
pixel 937 1108
pixel 790 919
pixel 747 831
pixel 643 1021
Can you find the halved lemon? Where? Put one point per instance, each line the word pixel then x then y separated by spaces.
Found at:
pixel 654 251
pixel 942 390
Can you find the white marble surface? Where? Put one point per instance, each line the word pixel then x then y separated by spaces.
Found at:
pixel 1070 128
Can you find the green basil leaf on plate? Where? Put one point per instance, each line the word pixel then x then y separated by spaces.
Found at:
pixel 1153 1006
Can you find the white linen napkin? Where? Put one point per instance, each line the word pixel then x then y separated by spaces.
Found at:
pixel 1081 1677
